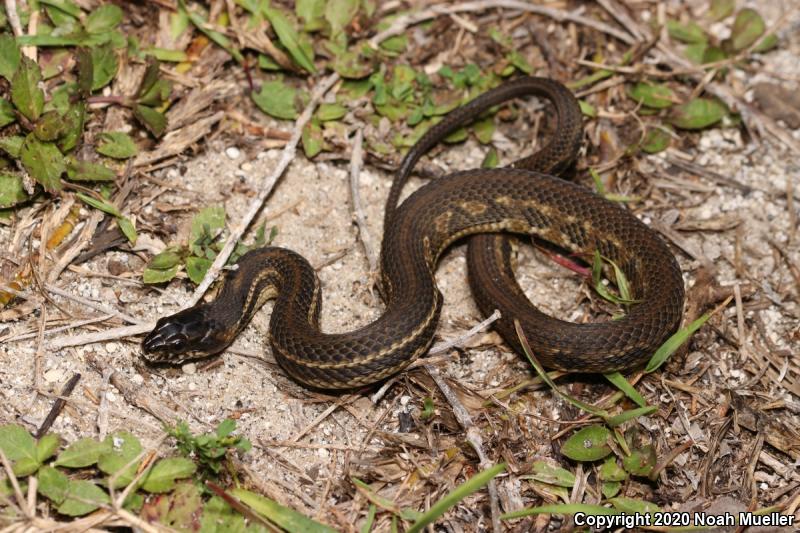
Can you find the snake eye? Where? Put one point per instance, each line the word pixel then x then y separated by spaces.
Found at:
pixel 172 336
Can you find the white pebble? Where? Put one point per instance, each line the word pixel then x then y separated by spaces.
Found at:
pixel 54 375
pixel 232 152
pixel 189 368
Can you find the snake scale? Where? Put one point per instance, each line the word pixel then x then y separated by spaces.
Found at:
pixel 525 198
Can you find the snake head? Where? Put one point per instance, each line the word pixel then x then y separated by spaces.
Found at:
pixel 184 336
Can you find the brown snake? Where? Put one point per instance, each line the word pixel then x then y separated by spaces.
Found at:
pixel 519 200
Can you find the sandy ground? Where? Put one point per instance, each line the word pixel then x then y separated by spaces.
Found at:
pixel 311 208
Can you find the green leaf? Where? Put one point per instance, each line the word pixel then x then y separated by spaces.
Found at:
pixel 563 508
pixel 67 6
pixel 747 28
pixel 116 144
pixel 47 446
pixel 50 126
pixel 161 478
pixel 476 482
pixel 721 9
pixel 339 13
pixel 43 161
pixel 53 484
pixel 587 109
pixel 86 171
pixel 484 130
pixel 218 516
pixel 491 159
pixel 146 86
pixel 696 52
pixel 611 471
pixel 196 268
pixel 74 117
pixel 128 229
pixel 553 475
pixel 12 190
pixel 219 38
pixel 674 342
pixel 7 115
pixel 276 513
pixel 102 205
pixel 103 19
pixel 164 54
pixel 154 121
pixel 122 448
pixel 428 408
pixel 81 453
pixel 655 140
pixel 156 275
pixel 311 12
pixel 640 462
pixel 226 427
pixel 26 94
pixel 9 56
pixel 767 43
pixel 82 498
pixel 277 99
pixel 331 112
pixel 698 113
pixel 619 381
pixel 457 136
pixel 691 32
pixel 181 510
pixel 289 38
pixel 104 66
pixel 19 447
pixel 610 488
pixel 165 260
pixel 588 444
pixel 633 506
pixel 313 141
pixel 208 221
pixel 157 93
pixel 652 95
pixel 84 73
pixel 12 145
pixel 630 414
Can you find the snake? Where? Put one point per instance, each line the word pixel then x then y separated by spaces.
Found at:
pixel 525 198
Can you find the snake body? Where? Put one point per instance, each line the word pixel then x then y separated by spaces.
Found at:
pixel 518 200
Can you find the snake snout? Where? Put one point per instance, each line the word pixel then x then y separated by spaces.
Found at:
pixel 167 338
pixel 183 336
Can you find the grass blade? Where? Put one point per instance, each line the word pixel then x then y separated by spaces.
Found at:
pixel 679 337
pixel 619 381
pixel 474 483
